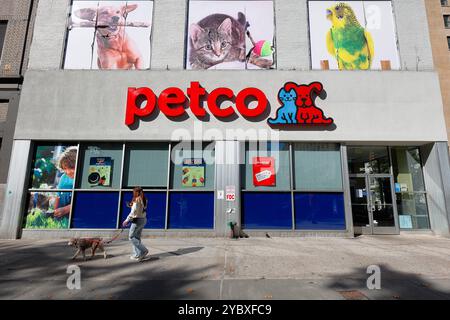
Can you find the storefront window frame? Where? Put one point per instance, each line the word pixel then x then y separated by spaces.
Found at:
pixel 424 192
pixel 292 189
pixel 30 188
pixel 78 189
pixel 391 173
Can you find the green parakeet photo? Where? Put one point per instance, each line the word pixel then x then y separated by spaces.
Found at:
pixel 347 40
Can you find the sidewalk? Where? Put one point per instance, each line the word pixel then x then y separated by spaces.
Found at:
pixel 412 267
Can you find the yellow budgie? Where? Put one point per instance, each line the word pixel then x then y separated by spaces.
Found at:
pixel 347 40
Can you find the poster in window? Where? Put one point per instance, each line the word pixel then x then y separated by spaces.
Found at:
pixel 264 171
pixel 54 167
pixel 353 35
pixel 48 210
pixel 230 35
pixel 109 35
pixel 100 171
pixel 193 173
pixel 405 221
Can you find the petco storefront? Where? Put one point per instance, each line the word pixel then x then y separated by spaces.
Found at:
pixel 292 149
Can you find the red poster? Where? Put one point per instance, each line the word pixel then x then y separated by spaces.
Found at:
pixel 264 171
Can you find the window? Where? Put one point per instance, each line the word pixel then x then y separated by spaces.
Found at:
pixel 100 166
pixel 317 167
pixel 279 154
pixel 94 37
pixel 312 200
pixel 89 185
pixel 447 21
pixel 372 43
pixel 368 160
pixel 230 35
pixel 444 3
pixel 146 165
pixel 191 195
pixel 3 26
pixel 410 188
pixel 448 42
pixel 50 188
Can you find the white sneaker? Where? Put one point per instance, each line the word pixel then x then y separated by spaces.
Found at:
pixel 134 258
pixel 143 256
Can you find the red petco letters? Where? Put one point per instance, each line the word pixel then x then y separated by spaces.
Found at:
pixel 172 101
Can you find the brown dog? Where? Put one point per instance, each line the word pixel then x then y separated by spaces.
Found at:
pixel 87 243
pixel 116 50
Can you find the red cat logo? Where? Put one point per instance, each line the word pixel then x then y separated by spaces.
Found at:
pixel 298 105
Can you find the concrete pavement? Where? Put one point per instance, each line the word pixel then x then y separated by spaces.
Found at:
pixel 412 267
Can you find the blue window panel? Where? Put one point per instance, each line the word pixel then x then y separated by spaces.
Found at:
pixel 95 210
pixel 319 211
pixel 156 209
pixel 191 210
pixel 266 210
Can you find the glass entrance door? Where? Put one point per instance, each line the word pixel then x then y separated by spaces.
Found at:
pixel 372 204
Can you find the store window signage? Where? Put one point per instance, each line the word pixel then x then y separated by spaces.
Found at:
pixel 264 171
pixel 297 104
pixel 171 102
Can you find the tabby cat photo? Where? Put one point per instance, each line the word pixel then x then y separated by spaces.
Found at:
pixel 230 35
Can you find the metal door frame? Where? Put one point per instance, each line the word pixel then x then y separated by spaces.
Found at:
pixel 371 229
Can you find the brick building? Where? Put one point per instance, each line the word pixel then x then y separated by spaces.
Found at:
pixel 16 24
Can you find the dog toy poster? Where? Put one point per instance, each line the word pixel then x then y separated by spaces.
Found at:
pixel 48 210
pixel 353 35
pixel 231 35
pixel 100 171
pixel 109 35
pixel 264 171
pixel 193 173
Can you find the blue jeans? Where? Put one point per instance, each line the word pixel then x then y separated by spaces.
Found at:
pixel 135 237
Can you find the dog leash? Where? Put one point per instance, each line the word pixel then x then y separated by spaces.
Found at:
pixel 115 237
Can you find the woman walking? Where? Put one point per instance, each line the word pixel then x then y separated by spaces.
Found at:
pixel 138 219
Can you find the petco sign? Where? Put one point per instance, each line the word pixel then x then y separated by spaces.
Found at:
pixel 297 103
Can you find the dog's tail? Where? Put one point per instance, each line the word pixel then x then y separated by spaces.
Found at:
pixel 115 237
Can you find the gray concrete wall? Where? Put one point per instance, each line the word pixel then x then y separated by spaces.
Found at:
pixel 437 180
pixel 49 34
pixel 14 203
pixel 292 34
pixel 227 174
pixel 8 131
pixel 366 106
pixel 413 35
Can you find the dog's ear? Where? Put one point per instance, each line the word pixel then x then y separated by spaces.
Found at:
pixel 316 86
pixel 88 14
pixel 128 8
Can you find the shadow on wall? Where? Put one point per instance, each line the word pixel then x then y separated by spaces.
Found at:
pixel 30 271
pixel 394 285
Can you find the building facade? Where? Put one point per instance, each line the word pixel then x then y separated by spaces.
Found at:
pixel 16 25
pixel 438 13
pixel 288 117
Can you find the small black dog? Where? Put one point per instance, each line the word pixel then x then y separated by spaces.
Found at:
pixel 237 231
